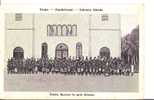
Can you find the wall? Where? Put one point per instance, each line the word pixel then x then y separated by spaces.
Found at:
pixel 106 33
pixel 18 33
pixel 103 33
pixel 41 22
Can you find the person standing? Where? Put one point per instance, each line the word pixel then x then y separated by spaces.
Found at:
pixel 132 69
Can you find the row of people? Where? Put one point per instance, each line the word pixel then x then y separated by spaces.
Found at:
pixel 106 66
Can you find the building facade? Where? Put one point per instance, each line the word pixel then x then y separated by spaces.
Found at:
pixel 62 35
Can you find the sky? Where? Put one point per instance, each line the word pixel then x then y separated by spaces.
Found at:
pixel 128 22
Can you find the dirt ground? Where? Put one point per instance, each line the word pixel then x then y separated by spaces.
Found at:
pixel 70 83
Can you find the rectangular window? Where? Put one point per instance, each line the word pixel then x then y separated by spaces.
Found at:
pixel 18 17
pixel 104 17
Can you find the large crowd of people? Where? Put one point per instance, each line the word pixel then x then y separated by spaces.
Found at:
pixel 71 65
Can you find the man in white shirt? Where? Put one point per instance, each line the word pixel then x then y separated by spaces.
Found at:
pixel 132 69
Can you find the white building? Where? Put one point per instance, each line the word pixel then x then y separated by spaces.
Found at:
pixel 62 35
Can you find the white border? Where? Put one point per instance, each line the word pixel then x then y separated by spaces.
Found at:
pixel 123 9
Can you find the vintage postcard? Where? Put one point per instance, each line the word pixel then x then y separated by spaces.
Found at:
pixel 66 52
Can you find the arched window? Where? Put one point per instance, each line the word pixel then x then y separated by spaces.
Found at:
pixel 61 51
pixel 104 52
pixel 18 53
pixel 78 49
pixel 51 30
pixel 64 30
pixel 54 29
pixel 44 50
pixel 74 29
pixel 59 30
pixel 69 30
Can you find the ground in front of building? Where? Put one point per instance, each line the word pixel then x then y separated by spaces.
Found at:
pixel 70 83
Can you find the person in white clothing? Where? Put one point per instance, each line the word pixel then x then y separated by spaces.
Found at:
pixel 132 69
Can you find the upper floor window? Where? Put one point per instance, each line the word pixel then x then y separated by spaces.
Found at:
pixel 18 17
pixel 105 17
pixel 61 30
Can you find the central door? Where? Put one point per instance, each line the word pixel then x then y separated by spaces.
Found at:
pixel 61 51
pixel 105 52
pixel 18 53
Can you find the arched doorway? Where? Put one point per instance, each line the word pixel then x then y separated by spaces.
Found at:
pixel 44 50
pixel 61 51
pixel 18 53
pixel 104 52
pixel 78 49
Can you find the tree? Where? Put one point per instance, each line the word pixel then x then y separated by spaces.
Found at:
pixel 130 48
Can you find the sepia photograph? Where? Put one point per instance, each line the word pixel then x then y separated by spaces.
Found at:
pixel 71 52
